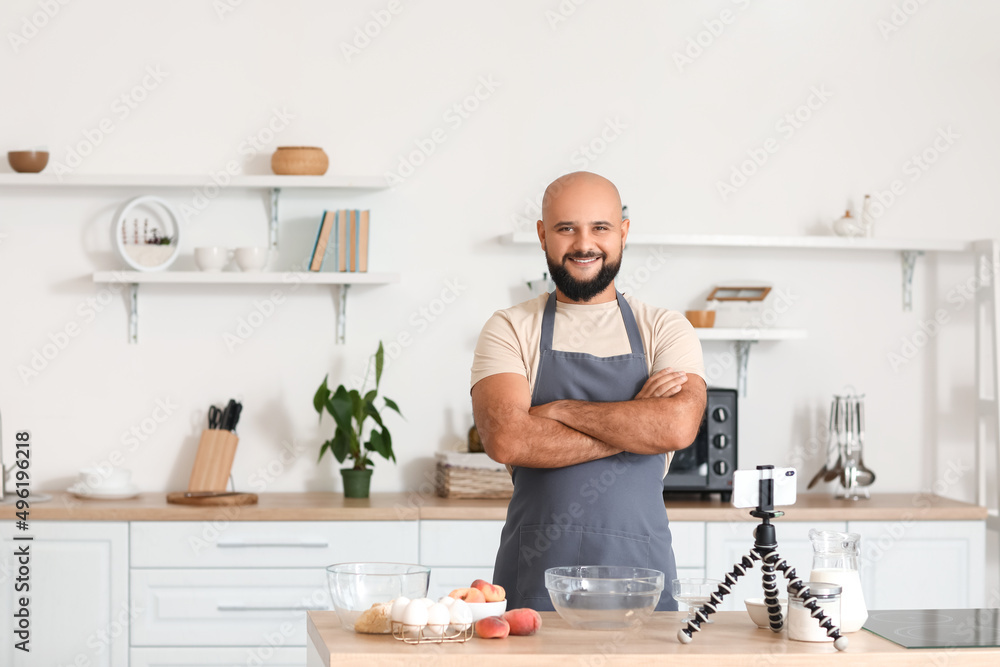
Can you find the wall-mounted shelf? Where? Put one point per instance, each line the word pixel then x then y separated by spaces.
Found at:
pixel 742 340
pixel 909 249
pixel 134 278
pixel 271 182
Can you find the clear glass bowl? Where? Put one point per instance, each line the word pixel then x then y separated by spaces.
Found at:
pixel 604 597
pixel 355 587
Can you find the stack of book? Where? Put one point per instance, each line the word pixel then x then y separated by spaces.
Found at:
pixel 341 242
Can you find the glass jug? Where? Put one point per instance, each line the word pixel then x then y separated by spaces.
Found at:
pixel 837 560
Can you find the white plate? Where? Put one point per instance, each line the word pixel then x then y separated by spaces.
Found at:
pixel 81 491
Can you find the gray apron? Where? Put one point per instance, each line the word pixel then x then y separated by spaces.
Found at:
pixel 604 512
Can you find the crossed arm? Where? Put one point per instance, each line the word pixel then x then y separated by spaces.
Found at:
pixel 664 416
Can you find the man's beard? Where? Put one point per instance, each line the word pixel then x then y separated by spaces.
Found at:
pixel 583 290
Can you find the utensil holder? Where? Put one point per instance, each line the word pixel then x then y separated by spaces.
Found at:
pixel 214 460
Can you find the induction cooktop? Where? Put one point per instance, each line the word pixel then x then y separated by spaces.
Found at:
pixel 937 628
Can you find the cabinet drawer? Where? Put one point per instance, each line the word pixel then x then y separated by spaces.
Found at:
pixel 225 607
pixel 270 543
pixel 266 656
pixel 459 543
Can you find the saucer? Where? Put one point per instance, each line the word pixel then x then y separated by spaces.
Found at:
pixel 81 491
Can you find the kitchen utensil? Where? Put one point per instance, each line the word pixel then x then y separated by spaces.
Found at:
pixel 211 259
pixel 865 475
pixel 829 464
pixel 251 259
pixel 300 160
pixel 837 436
pixel 693 593
pixel 758 611
pixel 837 559
pixel 604 597
pixel 214 417
pixel 354 587
pixel 28 162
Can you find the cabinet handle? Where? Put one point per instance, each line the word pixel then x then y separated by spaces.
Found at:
pixel 304 543
pixel 242 607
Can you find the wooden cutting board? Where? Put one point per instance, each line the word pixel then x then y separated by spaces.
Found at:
pixel 182 498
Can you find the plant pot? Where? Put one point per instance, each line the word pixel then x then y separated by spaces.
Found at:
pixel 356 482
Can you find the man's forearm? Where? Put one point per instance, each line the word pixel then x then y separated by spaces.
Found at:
pixel 547 443
pixel 641 426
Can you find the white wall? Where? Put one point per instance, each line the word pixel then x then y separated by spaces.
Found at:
pixel 559 85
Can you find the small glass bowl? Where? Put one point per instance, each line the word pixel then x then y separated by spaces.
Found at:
pixel 604 597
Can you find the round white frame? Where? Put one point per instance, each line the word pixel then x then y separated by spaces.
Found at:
pixel 120 216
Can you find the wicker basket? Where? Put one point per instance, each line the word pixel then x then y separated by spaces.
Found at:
pixel 462 475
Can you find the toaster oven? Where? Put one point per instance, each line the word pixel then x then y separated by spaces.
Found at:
pixel 707 464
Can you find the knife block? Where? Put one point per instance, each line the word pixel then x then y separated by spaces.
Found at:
pixel 214 460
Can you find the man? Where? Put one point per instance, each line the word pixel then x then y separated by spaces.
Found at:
pixel 585 394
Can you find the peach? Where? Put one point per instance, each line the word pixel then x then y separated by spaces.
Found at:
pixel 492 592
pixel 468 595
pixel 523 622
pixel 492 627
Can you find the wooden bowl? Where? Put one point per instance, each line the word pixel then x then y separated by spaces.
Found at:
pixel 28 162
pixel 299 161
pixel 701 319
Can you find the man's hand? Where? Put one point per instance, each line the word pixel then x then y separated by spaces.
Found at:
pixel 663 383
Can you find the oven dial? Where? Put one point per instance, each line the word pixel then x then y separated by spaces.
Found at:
pixel 720 441
pixel 720 414
pixel 720 467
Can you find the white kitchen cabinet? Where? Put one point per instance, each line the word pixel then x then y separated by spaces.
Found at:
pixel 727 543
pixel 78 593
pixel 922 564
pixel 262 656
pixel 282 544
pixel 688 538
pixel 234 607
pixel 459 543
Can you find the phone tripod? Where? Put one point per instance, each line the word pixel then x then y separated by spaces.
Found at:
pixel 765 550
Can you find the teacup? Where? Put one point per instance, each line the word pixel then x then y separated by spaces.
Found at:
pixel 252 259
pixel 104 479
pixel 211 258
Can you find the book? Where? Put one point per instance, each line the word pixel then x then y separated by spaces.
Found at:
pixel 363 242
pixel 332 246
pixel 322 237
pixel 352 240
pixel 342 242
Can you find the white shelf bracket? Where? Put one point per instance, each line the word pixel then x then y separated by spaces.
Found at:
pixel 273 223
pixel 909 262
pixel 342 315
pixel 742 357
pixel 133 313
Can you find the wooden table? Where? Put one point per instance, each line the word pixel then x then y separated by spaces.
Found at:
pixel 733 640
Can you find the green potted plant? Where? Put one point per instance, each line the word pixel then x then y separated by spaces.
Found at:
pixel 350 410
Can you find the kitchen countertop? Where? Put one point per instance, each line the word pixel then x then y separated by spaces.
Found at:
pixel 732 639
pixel 322 506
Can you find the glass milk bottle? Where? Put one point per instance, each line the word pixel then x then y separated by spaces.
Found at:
pixel 836 560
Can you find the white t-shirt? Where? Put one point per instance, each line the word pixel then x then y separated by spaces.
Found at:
pixel 510 339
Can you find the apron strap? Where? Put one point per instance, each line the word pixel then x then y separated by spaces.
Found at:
pixel 631 327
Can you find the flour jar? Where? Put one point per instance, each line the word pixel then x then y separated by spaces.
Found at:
pixel 802 626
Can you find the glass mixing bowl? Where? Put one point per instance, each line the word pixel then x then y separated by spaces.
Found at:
pixel 354 587
pixel 604 597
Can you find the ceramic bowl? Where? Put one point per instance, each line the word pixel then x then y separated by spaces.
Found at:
pixel 211 258
pixel 758 611
pixel 701 319
pixel 251 259
pixel 481 610
pixel 28 162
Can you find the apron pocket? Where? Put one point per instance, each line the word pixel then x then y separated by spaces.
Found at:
pixel 541 547
pixel 600 546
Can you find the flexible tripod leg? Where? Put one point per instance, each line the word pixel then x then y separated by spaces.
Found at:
pixel 798 588
pixel 701 614
pixel 769 583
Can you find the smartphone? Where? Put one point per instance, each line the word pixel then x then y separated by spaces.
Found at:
pixel 746 486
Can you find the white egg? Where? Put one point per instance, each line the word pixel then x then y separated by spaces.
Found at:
pixel 398 607
pixel 461 616
pixel 438 617
pixel 447 600
pixel 427 601
pixel 415 615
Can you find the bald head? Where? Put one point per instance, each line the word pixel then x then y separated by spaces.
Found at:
pixel 581 193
